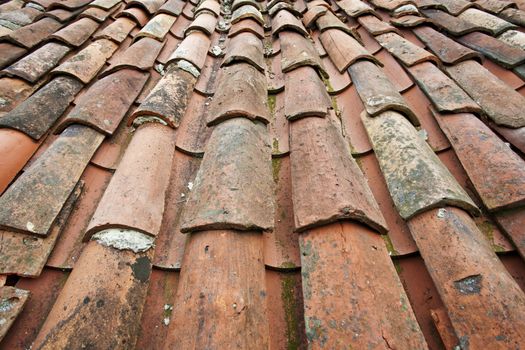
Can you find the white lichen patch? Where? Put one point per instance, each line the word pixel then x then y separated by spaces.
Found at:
pixel 441 213
pixel 188 67
pixel 30 226
pixel 147 119
pixel 123 239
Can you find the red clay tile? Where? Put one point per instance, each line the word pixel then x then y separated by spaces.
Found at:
pixel 34 33
pixel 247 25
pixel 377 92
pixel 20 17
pixel 441 90
pixel 238 3
pixel 170 242
pixel 189 10
pixel 515 136
pixel 179 27
pixel 342 263
pixel 205 22
pixel 486 21
pixel 455 7
pixel 311 16
pixel 33 202
pixel 375 26
pixel 76 33
pixel 486 89
pixel 284 6
pixel 61 15
pixel 446 49
pixel 274 74
pixel 338 81
pixel 172 7
pixel 141 181
pixel 141 55
pixel 408 53
pixel 337 192
pixel 151 6
pixel 279 126
pixel 496 172
pixel 208 78
pixel 410 21
pixel 343 49
pixel 13 301
pixel 247 11
pixel 68 248
pixel 394 71
pixel 514 38
pixel 245 47
pixel 193 48
pixel 416 178
pixel 350 108
pixel 512 221
pixel 219 186
pixel 451 24
pixel 389 4
pixel 104 4
pixel 9 53
pixel 36 115
pixel 108 287
pixel 137 14
pixel 26 255
pixel 204 300
pixel 168 99
pixel 193 134
pixel 13 92
pixel 106 102
pixel 286 21
pixel 35 65
pixel 15 149
pixel 405 10
pixel 369 42
pixel 484 303
pixel 494 49
pixel 355 8
pixel 241 92
pixel 99 14
pixel 116 31
pixel 331 21
pixel 297 51
pixel 88 62
pixel 319 3
pixel 305 94
pixel 157 27
pixel 171 43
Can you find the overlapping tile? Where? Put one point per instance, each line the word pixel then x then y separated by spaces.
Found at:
pixel 245 47
pixel 157 27
pixel 116 31
pixel 34 33
pixel 297 51
pixel 305 94
pixel 140 55
pixel 77 32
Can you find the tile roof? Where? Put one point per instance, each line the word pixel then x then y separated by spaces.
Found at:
pixel 252 174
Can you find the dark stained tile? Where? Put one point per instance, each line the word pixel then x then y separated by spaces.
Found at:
pixel 77 32
pixel 355 8
pixel 416 178
pixel 311 16
pixel 106 102
pixel 213 202
pixel 33 34
pixel 34 201
pixel 247 11
pixel 247 25
pixel 297 51
pixel 136 14
pixel 341 264
pixel 377 92
pixel 305 94
pixel 205 22
pixel 172 7
pixel 116 31
pixel 285 20
pixel 88 62
pixel 36 115
pixel 15 149
pixel 193 48
pixel 35 65
pixel 140 55
pixel 451 24
pixel 404 50
pixel 9 53
pixel 20 17
pixel 337 192
pixel 245 47
pixel 486 89
pixel 157 27
pixel 204 300
pixel 494 49
pixel 241 92
pixel 492 24
pixel 13 301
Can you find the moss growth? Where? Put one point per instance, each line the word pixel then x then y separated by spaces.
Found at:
pixel 389 245
pixel 288 265
pixel 328 85
pixel 276 165
pixel 290 307
pixel 271 103
pixel 487 228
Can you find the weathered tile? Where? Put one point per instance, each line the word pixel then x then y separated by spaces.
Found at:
pixel 61 15
pixel 36 115
pixel 284 6
pixel 311 16
pixel 331 21
pixel 88 62
pixel 168 99
pixel 377 92
pixel 305 94
pixel 9 53
pixel 106 102
pixel 13 91
pixel 141 180
pixel 327 184
pixel 405 10
pixel 375 26
pixel 35 65
pixel 13 301
pixel 77 32
pixel 16 148
pixel 247 25
pixel 204 300
pixel 408 53
pixel 486 21
pixel 98 14
pixel 194 49
pixel 247 11
pixel 108 286
pixel 140 55
pixel 350 108
pixel 410 21
pixel 446 49
pixel 343 49
pixel 241 92
pixel 512 222
pixel 338 81
pixel 34 33
pixel 416 178
pixel 515 136
pixel 151 6
pixel 451 24
pixel 355 8
pixel 205 22
pixel 497 173
pixel 193 134
pixel 116 31
pixel 210 6
pixel 20 17
pixel 482 300
pixel 278 128
pixel 494 49
pixel 513 38
pixel 286 21
pixel 104 4
pixel 515 16
pixel 172 7
pixel 157 27
pixel 34 201
pixel 245 47
pixel 389 5
pixel 238 3
pixel 487 90
pixel 441 90
pixel 495 6
pixel 342 264
pixel 394 71
pixel 369 42
pixel 136 14
pixel 455 7
pixel 220 187
pixel 297 51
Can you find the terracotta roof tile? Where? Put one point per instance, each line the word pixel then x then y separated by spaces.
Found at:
pixel 172 7
pixel 311 16
pixel 9 53
pixel 61 15
pixel 451 24
pixel 274 74
pixel 157 27
pixel 76 33
pixel 135 13
pixel 192 49
pixel 209 75
pixel 210 6
pixel 512 221
pixel 19 18
pixel 343 49
pixel 278 127
pixel 297 51
pixel 369 42
pixel 36 115
pixel 13 91
pixel 486 89
pixel 99 14
pixel 247 11
pixel 355 8
pixel 140 55
pixel 514 16
pixel 239 3
pixel 492 24
pixel 116 31
pixel 245 47
pixel 284 6
pixel 14 300
pixel 390 4
pixel 377 92
pixel 16 149
pixel 193 134
pixel 247 25
pixel 496 50
pixel 151 6
pixel 285 20
pixel 394 71
pixel 408 53
pixel 374 25
pixel 514 136
pixel 205 22
pixel 338 81
pixel 305 94
pixel 217 188
pixel 34 33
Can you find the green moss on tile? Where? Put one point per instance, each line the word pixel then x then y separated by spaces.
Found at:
pixel 290 308
pixel 389 245
pixel 276 164
pixel 271 103
pixel 328 85
pixel 487 228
